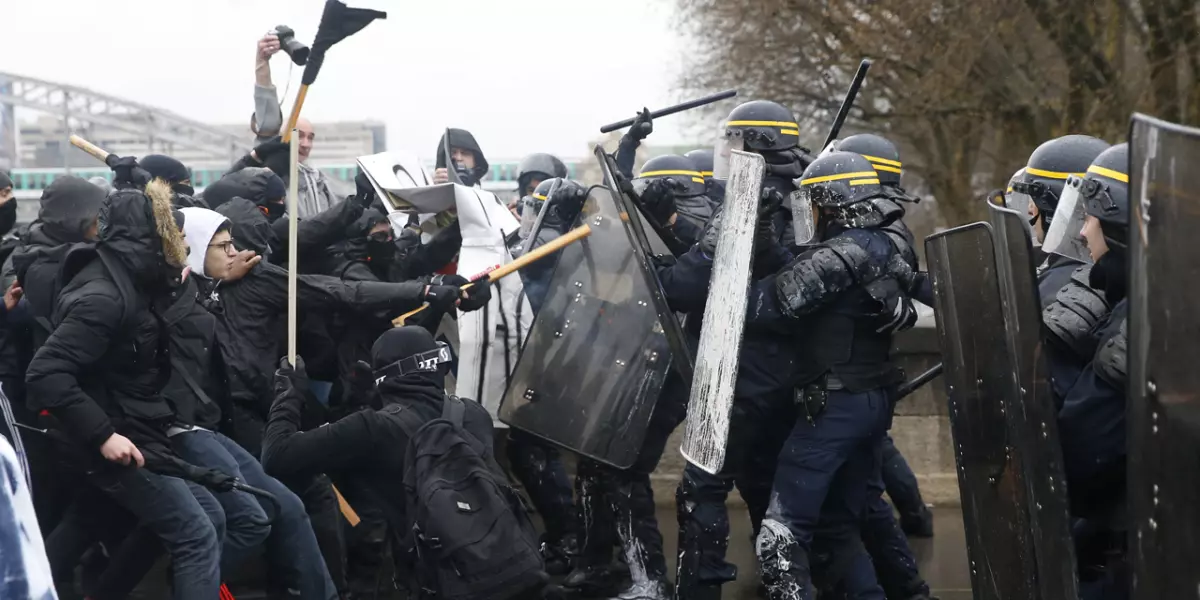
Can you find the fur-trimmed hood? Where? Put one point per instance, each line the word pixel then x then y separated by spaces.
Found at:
pixel 142 232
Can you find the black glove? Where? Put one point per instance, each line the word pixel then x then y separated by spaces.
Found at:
pixel 712 231
pixel 658 199
pixel 365 193
pixel 445 291
pixel 291 380
pixel 765 235
pixel 213 479
pixel 275 155
pixel 478 295
pixel 127 174
pixel 642 127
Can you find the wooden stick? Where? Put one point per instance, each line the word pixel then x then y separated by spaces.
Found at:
pixel 533 256
pixel 347 510
pixel 293 201
pixel 295 116
pixel 90 148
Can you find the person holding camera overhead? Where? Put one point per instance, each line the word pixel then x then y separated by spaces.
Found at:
pixel 315 194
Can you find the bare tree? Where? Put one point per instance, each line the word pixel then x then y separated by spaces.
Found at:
pixel 967 89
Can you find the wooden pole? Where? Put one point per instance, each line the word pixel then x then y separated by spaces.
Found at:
pixel 533 256
pixel 90 148
pixel 295 116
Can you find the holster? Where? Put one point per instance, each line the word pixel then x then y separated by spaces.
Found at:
pixel 812 397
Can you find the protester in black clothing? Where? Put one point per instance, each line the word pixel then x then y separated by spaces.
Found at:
pixel 369 442
pixel 99 371
pixel 176 175
pixel 8 204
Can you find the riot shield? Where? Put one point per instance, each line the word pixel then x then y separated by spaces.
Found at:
pixel 1034 426
pixel 711 400
pixel 1164 339
pixel 595 360
pixel 646 244
pixel 982 391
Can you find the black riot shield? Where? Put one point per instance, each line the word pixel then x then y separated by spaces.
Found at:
pixel 598 352
pixel 1033 428
pixel 981 386
pixel 1164 341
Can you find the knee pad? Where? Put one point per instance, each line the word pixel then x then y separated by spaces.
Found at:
pixel 775 543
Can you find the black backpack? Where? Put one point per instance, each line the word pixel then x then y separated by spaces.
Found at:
pixel 468 534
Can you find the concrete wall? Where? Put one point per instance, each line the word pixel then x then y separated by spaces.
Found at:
pixel 921 428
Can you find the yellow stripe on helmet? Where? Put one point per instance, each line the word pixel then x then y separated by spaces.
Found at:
pixel 538 197
pixel 698 179
pixel 895 170
pixel 886 161
pixel 863 181
pixel 1109 173
pixel 787 124
pixel 790 132
pixel 668 173
pixel 706 173
pixel 1050 174
pixel 839 176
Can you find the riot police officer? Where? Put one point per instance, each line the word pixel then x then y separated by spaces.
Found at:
pixel 1091 423
pixel 843 297
pixel 763 408
pixel 703 159
pixel 671 189
pixel 1042 183
pixel 536 168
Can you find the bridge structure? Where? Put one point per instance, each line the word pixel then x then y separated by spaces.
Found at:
pixel 80 108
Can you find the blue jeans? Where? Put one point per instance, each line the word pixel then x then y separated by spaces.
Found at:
pixel 166 506
pixel 293 558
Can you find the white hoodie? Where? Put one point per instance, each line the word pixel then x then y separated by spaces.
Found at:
pixel 199 227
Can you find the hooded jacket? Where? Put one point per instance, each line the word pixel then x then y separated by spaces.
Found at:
pixel 461 138
pixel 240 195
pixel 371 443
pixel 102 369
pixel 251 314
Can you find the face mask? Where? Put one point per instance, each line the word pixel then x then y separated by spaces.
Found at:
pixel 273 210
pixel 381 252
pixel 466 175
pixel 184 189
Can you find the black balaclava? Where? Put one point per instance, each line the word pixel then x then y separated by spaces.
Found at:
pixel 403 342
pixel 69 206
pixel 1110 275
pixel 170 170
pixel 259 185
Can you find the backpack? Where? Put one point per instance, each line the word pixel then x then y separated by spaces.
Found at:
pixel 468 535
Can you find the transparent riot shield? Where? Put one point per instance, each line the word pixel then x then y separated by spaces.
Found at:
pixel 1164 339
pixel 981 386
pixel 706 430
pixel 1034 426
pixel 1064 236
pixel 646 244
pixel 598 353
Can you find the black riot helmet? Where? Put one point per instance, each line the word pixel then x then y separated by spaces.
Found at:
pixel 681 170
pixel 538 167
pixel 764 126
pixel 840 179
pixel 1105 194
pixel 1051 164
pixel 880 151
pixel 703 159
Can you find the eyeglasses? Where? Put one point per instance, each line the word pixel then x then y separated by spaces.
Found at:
pixel 227 246
pixel 381 236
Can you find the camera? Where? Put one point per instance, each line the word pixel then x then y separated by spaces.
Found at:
pixel 296 50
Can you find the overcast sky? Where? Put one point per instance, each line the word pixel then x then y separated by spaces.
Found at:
pixel 523 75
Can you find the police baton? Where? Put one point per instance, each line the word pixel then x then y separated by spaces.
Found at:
pixel 529 258
pixel 847 102
pixel 670 110
pixel 920 380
